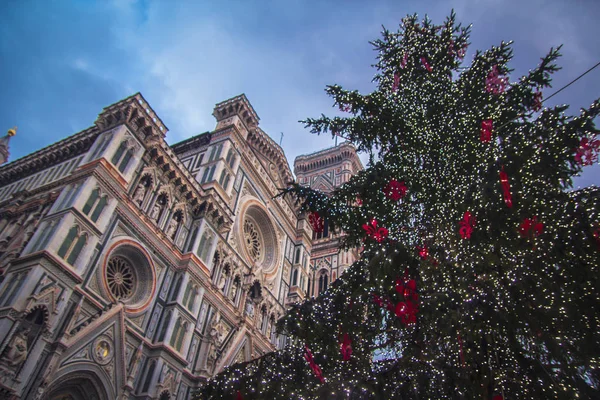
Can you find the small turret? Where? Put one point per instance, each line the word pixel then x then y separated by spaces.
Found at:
pixel 4 153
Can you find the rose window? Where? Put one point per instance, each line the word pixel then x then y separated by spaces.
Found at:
pixel 253 241
pixel 120 278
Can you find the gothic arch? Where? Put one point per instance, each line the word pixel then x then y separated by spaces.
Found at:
pixel 82 381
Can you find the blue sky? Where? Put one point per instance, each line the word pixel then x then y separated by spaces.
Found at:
pixel 61 61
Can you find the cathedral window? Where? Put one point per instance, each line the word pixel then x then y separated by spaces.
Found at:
pixel 122 156
pixel 186 294
pixel 102 144
pixel 95 202
pixel 44 237
pixel 253 240
pixel 176 330
pixel 205 246
pixel 181 336
pixel 323 281
pixel 215 152
pixel 309 288
pixel 149 374
pixel 230 160
pixel 72 245
pixel 11 289
pixel 295 277
pixel 224 179
pixel 199 161
pixel 165 325
pixel 264 320
pixel 189 297
pixel 208 174
pixel 120 278
pixel 176 287
pixel 273 329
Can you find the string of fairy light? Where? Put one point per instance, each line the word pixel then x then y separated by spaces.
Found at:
pixel 501 311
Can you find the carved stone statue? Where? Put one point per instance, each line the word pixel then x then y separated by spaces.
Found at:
pixel 140 193
pixel 214 332
pixel 172 228
pixel 249 307
pixel 155 211
pixel 222 280
pixel 16 351
pixel 234 291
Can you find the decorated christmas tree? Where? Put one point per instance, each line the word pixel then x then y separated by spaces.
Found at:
pixel 480 269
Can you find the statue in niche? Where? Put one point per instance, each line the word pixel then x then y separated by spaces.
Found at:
pixel 172 228
pixel 222 280
pixel 155 211
pixel 234 291
pixel 214 334
pixel 249 307
pixel 16 351
pixel 140 193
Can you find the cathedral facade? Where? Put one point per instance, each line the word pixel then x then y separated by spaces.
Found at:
pixel 134 269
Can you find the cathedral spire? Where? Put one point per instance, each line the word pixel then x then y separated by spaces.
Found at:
pixel 4 153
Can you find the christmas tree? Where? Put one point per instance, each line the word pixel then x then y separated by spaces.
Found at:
pixel 480 268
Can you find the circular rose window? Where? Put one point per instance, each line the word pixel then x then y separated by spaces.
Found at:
pixel 258 237
pixel 253 240
pixel 129 276
pixel 120 278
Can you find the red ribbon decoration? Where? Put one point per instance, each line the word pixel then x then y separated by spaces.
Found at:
pixel 587 152
pixel 239 396
pixel 396 83
pixel 505 188
pixel 466 225
pixel 493 83
pixel 395 190
pixel 316 222
pixel 426 64
pixel 346 347
pixel 531 227
pixel 485 134
pixel 423 252
pixel 379 234
pixel 407 309
pixel 311 362
pixel 597 236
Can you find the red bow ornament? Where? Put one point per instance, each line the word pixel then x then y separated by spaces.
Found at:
pixel 426 64
pixel 346 347
pixel 313 365
pixel 587 152
pixel 395 190
pixel 466 225
pixel 423 252
pixel 505 188
pixel 531 227
pixel 316 222
pixel 485 135
pixel 407 309
pixel 345 108
pixel 379 234
pixel 404 61
pixel 396 83
pixel 494 83
pixel 597 236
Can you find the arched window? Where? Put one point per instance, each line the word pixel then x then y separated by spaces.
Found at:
pixel 72 245
pixel 309 288
pixel 323 281
pixel 77 249
pixel 165 325
pixel 295 277
pixel 96 203
pixel 150 371
pixel 192 299
pixel 119 153
pixel 122 156
pixel 273 329
pixel 264 320
pixel 186 294
pixel 176 288
pixel 175 335
pixel 205 246
pixel 181 336
pixel 66 244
